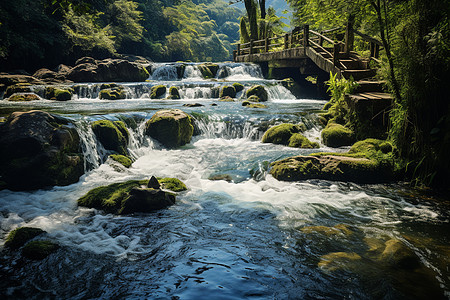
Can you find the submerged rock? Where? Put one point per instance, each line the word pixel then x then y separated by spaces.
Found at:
pixel 337 230
pixel 112 135
pixel 20 236
pixel 336 135
pixel 133 196
pixel 339 260
pixel 253 105
pixel 172 128
pixel 38 250
pixel 38 149
pixel 259 91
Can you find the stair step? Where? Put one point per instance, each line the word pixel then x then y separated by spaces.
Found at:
pixel 370 86
pixel 350 63
pixel 370 96
pixel 359 74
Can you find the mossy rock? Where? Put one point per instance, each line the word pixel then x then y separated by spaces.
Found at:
pixel 112 85
pixel 172 128
pixel 112 91
pixel 20 236
pixel 226 99
pixel 23 97
pixel 259 91
pixel 337 230
pixel 59 94
pixel 253 98
pixel 157 91
pixel 238 87
pixel 17 88
pixel 253 105
pixel 122 159
pixel 227 91
pixel 398 255
pixel 132 196
pixel 219 177
pixel 336 135
pixel 208 70
pixel 112 135
pixel 174 93
pixel 281 134
pixel 297 140
pixel 38 250
pixel 339 260
pixel 180 70
pixel 371 145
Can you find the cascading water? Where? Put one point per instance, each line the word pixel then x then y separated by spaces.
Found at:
pixel 247 236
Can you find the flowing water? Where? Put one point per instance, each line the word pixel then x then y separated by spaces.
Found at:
pixel 251 238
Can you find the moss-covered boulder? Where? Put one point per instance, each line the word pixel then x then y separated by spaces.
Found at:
pixel 238 87
pixel 180 70
pixel 122 159
pixel 132 196
pixel 112 135
pixel 208 70
pixel 112 91
pixel 253 98
pixel 58 93
pixel 253 105
pixel 336 135
pixel 23 97
pixel 281 134
pixel 38 250
pixel 38 149
pixel 297 140
pixel 20 236
pixel 226 99
pixel 371 145
pixel 17 88
pixel 172 128
pixel 228 91
pixel 157 91
pixel 174 93
pixel 259 91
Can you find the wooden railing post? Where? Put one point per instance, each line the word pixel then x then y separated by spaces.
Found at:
pixel 336 54
pixel 286 42
pixel 238 49
pixel 266 45
pixel 234 55
pixel 321 39
pixel 251 46
pixel 372 49
pixel 306 36
pixel 377 51
pixel 349 35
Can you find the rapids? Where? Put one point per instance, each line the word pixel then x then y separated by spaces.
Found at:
pixel 252 238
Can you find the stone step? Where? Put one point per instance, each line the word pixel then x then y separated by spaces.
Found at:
pixel 370 86
pixel 359 74
pixel 350 63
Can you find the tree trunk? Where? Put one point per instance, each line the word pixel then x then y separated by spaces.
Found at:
pixel 250 7
pixel 262 7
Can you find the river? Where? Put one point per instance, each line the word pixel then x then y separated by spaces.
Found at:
pixel 251 238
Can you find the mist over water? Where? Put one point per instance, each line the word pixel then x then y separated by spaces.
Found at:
pixel 244 239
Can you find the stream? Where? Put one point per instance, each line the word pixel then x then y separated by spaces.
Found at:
pixel 251 238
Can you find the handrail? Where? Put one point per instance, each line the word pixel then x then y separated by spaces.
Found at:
pixel 322 36
pixel 368 38
pixel 332 30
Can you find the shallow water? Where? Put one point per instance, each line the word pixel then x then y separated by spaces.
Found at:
pixel 252 238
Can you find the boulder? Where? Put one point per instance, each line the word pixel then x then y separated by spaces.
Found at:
pixel 180 70
pixel 18 88
pixel 281 134
pixel 193 105
pixel 259 91
pixel 7 80
pixel 238 87
pixel 39 250
pixel 226 99
pixel 20 236
pixel 45 74
pixel 112 91
pixel 227 91
pixel 172 128
pixel 157 91
pixel 336 135
pixel 297 140
pixel 23 97
pixel 249 104
pixel 58 93
pixel 112 135
pixel 122 159
pixel 223 73
pixel 85 60
pixel 173 93
pixel 38 149
pixel 133 196
pixel 208 70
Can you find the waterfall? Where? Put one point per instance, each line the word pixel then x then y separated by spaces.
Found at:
pixel 236 127
pixel 192 73
pixel 164 72
pixel 88 145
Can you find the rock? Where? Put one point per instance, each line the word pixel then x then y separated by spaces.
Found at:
pixel 122 159
pixel 23 97
pixel 217 177
pixel 293 87
pixel 258 90
pixel 18 88
pixel 238 87
pixel 253 98
pixel 112 135
pixel 337 230
pixel 173 93
pixel 180 70
pixel 371 145
pixel 297 140
pixel 227 91
pixel 193 105
pixel 223 73
pixel 45 74
pixel 208 70
pixel 85 60
pixel 107 70
pixel 213 104
pixel 20 236
pixel 335 135
pixel 38 149
pixel 153 183
pixel 60 94
pixel 339 260
pixel 332 167
pixel 38 250
pixel 253 105
pixel 132 196
pixel 172 128
pixel 112 91
pixel 281 134
pixel 7 80
pixel 215 91
pixel 397 255
pixel 157 91
pixel 226 99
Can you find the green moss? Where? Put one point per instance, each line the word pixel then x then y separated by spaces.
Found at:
pixel 17 88
pixel 227 91
pixel 23 97
pixel 120 125
pixel 122 159
pixel 18 237
pixel 281 134
pixel 253 105
pixel 174 93
pixel 172 184
pixel 297 140
pixel 238 87
pixel 336 135
pixel 258 90
pixel 143 73
pixel 60 94
pixel 111 135
pixel 39 249
pixel 157 91
pixel 114 93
